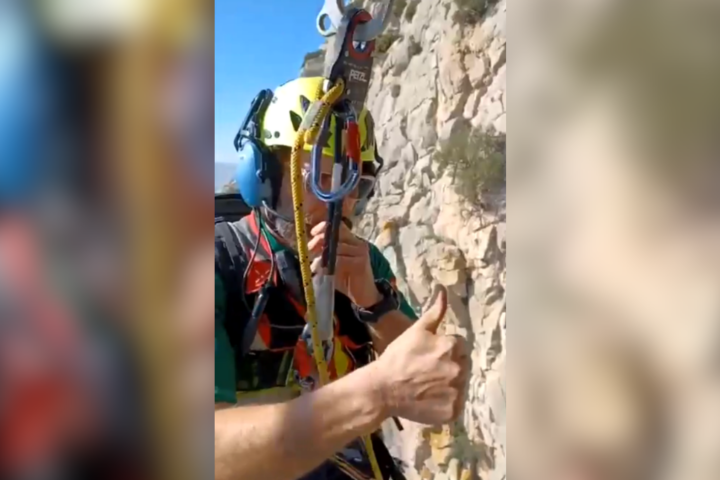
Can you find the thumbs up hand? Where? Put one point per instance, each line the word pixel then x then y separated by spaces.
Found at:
pixel 422 375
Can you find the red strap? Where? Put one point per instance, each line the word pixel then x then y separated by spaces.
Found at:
pixel 257 276
pixel 259 271
pixel 353 142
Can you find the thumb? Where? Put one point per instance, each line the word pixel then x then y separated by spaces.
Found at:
pixel 430 320
pixel 315 266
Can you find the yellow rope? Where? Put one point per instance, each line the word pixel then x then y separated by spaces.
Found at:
pixel 348 469
pixel 298 201
pixel 371 456
pixel 307 135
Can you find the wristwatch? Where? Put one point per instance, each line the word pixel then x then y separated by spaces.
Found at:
pixel 390 301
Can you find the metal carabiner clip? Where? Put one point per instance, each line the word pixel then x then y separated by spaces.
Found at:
pixel 334 11
pixel 338 191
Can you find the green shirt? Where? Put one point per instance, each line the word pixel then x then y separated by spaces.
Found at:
pixel 225 374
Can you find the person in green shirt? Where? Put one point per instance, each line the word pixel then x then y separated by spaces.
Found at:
pixel 282 425
pixel 225 372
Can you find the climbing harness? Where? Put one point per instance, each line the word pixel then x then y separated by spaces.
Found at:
pixel 269 342
pixel 347 74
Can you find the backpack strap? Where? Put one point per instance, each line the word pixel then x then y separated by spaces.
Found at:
pixel 244 309
pixel 288 268
pixel 230 263
pixel 231 258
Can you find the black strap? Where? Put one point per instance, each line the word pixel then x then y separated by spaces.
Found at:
pixel 288 268
pixel 386 462
pixel 252 325
pixel 230 263
pixel 231 245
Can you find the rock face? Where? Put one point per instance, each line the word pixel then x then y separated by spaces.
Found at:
pixel 314 63
pixel 437 75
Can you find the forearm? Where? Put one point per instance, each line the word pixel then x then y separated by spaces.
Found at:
pixel 287 440
pixel 388 328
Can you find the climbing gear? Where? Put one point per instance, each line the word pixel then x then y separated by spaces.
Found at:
pixel 335 11
pixel 373 172
pixel 347 83
pixel 298 115
pixel 282 119
pixel 341 186
pixel 272 121
pixel 307 133
pixel 267 375
pixel 349 76
pixel 364 189
pixel 270 349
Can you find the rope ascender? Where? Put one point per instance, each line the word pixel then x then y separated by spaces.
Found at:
pixel 347 80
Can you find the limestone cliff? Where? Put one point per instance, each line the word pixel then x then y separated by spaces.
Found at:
pixel 440 68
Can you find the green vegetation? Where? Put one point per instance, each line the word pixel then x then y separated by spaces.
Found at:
pixel 385 41
pixel 475 160
pixel 411 10
pixel 471 12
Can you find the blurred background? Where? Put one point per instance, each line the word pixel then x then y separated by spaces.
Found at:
pixel 613 168
pixel 106 165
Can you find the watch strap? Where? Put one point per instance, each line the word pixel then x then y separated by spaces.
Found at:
pixel 388 303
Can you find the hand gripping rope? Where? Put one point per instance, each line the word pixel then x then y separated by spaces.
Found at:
pixel 343 95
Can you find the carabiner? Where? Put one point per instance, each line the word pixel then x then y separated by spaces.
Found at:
pixel 346 187
pixel 335 10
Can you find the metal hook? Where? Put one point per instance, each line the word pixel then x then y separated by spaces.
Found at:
pixel 334 11
pixel 353 177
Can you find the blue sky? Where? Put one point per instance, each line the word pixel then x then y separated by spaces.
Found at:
pixel 258 44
